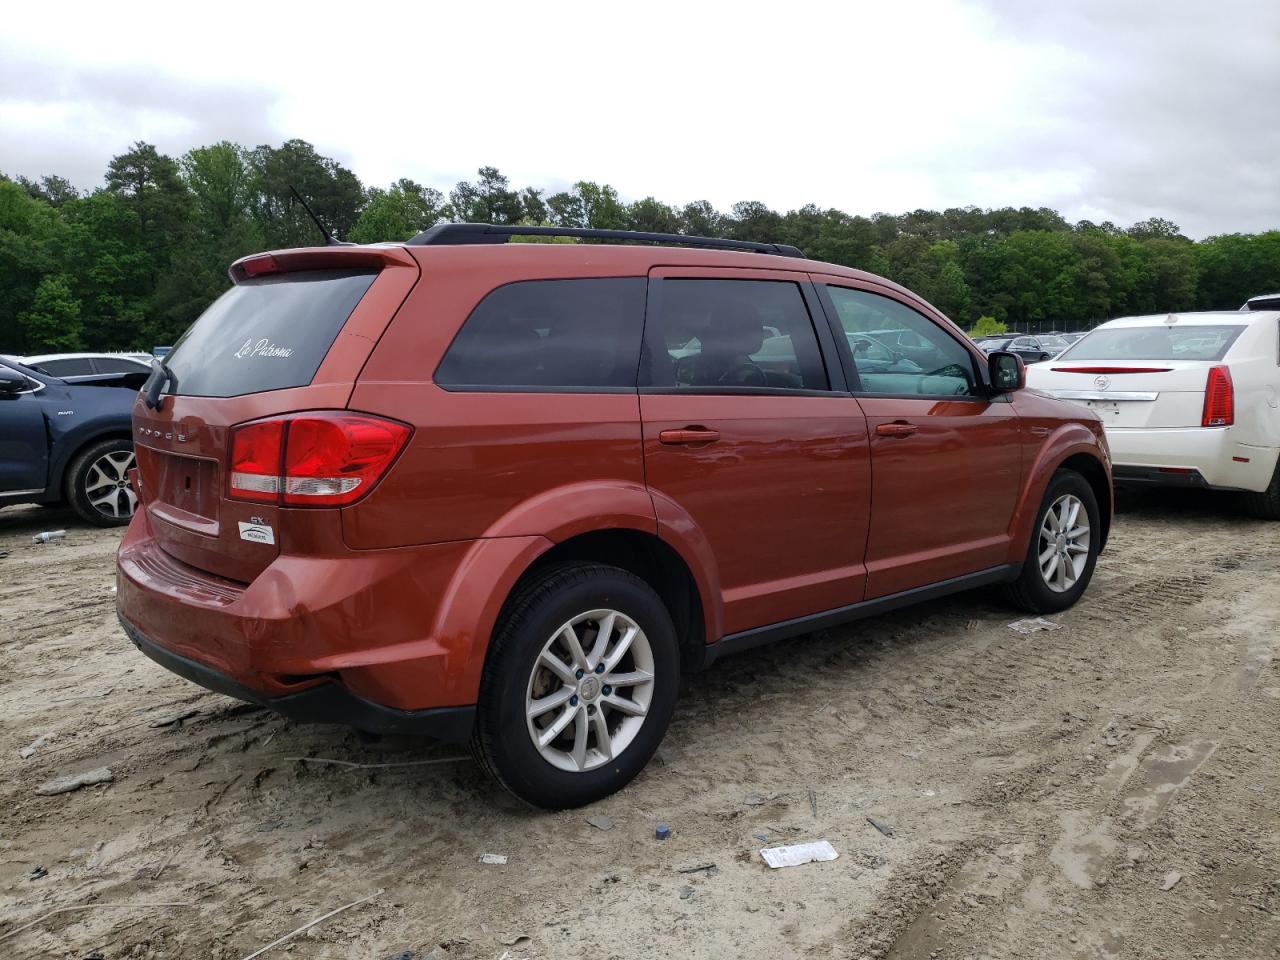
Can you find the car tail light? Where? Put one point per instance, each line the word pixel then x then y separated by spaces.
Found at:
pixel 313 459
pixel 1219 399
pixel 255 461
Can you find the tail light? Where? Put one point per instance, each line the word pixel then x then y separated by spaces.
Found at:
pixel 1219 399
pixel 312 459
pixel 1111 369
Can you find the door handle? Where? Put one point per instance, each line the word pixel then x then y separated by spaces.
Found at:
pixel 895 429
pixel 689 435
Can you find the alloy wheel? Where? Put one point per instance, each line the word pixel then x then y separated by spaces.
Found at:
pixel 1063 548
pixel 106 485
pixel 590 690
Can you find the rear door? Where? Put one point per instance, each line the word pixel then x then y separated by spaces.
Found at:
pixel 749 436
pixel 291 335
pixel 946 460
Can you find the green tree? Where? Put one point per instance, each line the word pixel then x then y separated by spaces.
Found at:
pixel 398 213
pixel 333 192
pixel 52 322
pixel 488 200
pixel 987 327
pixel 652 216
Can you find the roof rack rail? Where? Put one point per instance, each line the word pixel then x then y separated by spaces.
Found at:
pixel 470 233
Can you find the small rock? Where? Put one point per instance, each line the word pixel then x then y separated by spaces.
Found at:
pixel 686 893
pixel 75 781
pixel 37 873
pixel 1170 880
pixel 882 827
pixel 515 940
pixel 29 750
pixel 600 822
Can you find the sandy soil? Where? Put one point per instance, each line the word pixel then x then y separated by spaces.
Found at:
pixel 1042 790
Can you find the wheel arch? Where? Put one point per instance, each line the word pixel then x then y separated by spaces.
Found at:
pixel 59 465
pixel 1075 447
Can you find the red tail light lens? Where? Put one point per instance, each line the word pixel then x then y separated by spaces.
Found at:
pixel 335 459
pixel 255 461
pixel 1219 399
pixel 329 459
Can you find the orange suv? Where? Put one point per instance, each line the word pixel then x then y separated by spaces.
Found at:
pixel 506 493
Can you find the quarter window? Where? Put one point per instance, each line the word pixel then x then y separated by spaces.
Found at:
pixel 899 351
pixel 725 335
pixel 551 334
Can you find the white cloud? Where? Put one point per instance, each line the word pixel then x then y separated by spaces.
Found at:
pixel 1108 110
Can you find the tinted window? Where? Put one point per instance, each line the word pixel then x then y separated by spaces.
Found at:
pixel 725 334
pixel 550 334
pixel 941 367
pixel 71 367
pixel 119 365
pixel 269 333
pixel 1155 343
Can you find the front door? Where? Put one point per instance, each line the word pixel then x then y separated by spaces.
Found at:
pixel 24 441
pixel 748 448
pixel 946 459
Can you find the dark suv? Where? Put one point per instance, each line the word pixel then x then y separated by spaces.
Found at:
pixel 64 442
pixel 507 493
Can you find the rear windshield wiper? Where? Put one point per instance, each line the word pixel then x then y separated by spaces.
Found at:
pixel 161 376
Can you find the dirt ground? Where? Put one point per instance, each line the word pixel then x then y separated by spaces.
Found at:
pixel 1107 789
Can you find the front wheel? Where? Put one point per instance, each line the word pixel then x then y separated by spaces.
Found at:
pixel 579 685
pixel 1064 547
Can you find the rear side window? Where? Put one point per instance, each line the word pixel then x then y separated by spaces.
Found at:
pixel 269 333
pixel 548 335
pixel 1165 342
pixel 713 335
pixel 71 367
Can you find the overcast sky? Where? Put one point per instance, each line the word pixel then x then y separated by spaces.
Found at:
pixel 1105 109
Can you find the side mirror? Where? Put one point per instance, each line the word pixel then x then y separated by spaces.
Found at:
pixel 1006 371
pixel 11 382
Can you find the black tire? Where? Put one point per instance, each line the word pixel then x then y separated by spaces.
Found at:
pixel 81 473
pixel 502 742
pixel 1265 505
pixel 1030 591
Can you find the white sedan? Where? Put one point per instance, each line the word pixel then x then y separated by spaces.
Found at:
pixel 1190 399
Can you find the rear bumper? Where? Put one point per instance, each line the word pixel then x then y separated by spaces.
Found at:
pixel 1210 457
pixel 328 702
pixel 374 637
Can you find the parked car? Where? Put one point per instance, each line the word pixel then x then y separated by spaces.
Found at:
pixel 66 442
pixel 1073 337
pixel 510 506
pixel 71 367
pixel 1187 399
pixel 1263 301
pixel 1028 348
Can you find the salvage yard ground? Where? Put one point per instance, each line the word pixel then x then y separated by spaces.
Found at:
pixel 1107 789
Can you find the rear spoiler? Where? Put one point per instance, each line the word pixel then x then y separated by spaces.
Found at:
pixel 320 258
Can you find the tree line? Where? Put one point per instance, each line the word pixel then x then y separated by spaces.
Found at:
pixel 133 262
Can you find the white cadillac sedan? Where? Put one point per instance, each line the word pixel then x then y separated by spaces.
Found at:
pixel 1188 399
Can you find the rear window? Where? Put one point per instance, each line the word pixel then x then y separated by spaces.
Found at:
pixel 1155 343
pixel 70 367
pixel 550 335
pixel 268 333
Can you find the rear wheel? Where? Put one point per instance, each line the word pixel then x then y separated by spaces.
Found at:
pixel 579 685
pixel 1064 547
pixel 98 483
pixel 1265 505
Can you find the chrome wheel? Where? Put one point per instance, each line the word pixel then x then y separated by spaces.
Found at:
pixel 1063 548
pixel 590 690
pixel 106 485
